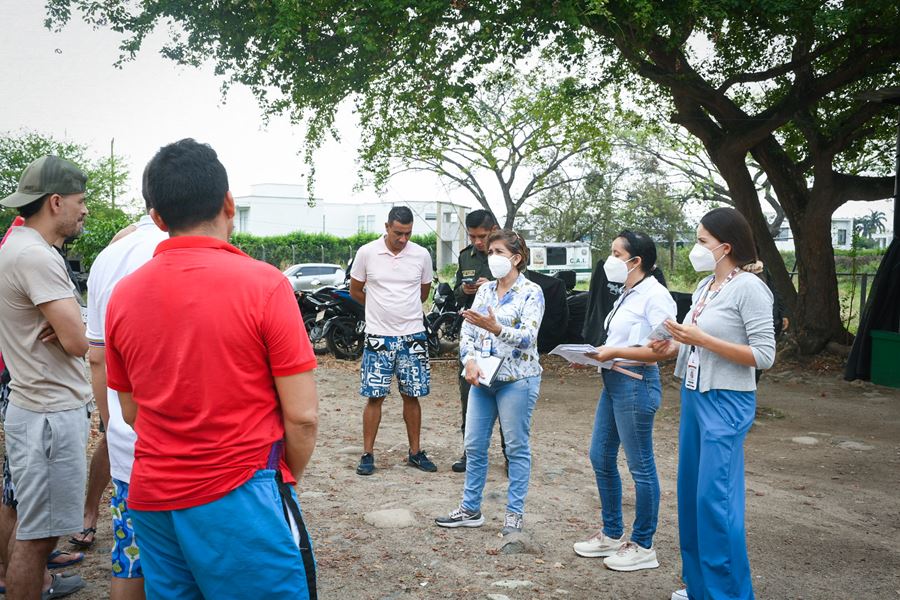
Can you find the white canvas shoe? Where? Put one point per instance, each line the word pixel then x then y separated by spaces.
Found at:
pixel 598 544
pixel 631 557
pixel 680 595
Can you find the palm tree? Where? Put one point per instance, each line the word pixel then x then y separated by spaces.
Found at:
pixel 872 223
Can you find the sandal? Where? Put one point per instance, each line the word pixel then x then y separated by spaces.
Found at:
pixel 87 531
pixel 77 557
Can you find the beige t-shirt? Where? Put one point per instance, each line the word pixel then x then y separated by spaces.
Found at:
pixel 44 377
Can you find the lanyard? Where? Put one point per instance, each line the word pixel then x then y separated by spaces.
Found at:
pixel 706 298
pixel 616 308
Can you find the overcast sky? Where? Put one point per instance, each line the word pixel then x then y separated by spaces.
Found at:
pixel 65 84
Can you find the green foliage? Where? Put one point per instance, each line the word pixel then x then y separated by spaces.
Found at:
pixel 283 251
pixel 448 273
pixel 104 175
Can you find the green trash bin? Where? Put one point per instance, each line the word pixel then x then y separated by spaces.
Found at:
pixel 886 358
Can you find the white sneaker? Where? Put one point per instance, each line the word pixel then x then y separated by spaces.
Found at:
pixel 631 557
pixel 680 595
pixel 599 544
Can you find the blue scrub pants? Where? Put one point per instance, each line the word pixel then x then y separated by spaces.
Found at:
pixel 711 493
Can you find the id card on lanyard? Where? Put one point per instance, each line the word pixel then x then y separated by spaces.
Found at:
pixel 692 374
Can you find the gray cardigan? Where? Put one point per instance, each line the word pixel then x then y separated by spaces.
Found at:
pixel 741 314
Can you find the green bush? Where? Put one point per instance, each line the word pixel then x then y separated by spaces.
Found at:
pixel 283 251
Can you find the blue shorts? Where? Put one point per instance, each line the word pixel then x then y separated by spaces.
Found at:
pixel 126 558
pixel 387 355
pixel 251 543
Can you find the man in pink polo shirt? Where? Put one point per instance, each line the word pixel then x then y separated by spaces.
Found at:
pixel 391 276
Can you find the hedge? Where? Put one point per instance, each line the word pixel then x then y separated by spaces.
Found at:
pixel 283 251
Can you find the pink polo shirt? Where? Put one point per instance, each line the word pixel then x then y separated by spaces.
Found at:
pixel 393 286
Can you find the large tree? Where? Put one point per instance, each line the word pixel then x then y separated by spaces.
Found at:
pixel 511 140
pixel 778 79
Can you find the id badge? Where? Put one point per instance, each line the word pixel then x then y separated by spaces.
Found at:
pixel 485 347
pixel 693 368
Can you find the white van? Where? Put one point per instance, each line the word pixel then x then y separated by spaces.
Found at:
pixel 551 257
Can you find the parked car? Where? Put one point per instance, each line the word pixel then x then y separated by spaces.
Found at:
pixel 307 277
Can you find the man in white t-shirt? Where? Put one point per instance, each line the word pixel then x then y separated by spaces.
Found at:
pixel 392 276
pixel 117 260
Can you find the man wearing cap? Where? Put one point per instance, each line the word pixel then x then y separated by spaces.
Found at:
pixel 43 340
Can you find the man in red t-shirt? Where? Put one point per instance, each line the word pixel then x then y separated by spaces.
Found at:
pixel 214 371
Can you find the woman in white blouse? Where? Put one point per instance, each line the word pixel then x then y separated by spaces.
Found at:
pixel 628 404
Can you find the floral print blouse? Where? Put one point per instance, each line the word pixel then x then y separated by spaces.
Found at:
pixel 519 313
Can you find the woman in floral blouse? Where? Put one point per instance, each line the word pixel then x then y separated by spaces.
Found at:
pixel 503 322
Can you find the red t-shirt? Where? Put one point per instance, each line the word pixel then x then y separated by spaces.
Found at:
pixel 197 335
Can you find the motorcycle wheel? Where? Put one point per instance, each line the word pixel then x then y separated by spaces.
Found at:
pixel 315 332
pixel 447 327
pixel 343 340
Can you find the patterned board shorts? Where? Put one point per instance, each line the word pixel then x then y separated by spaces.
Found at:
pixel 387 355
pixel 126 558
pixel 9 492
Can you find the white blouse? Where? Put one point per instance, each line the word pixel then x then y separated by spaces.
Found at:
pixel 637 312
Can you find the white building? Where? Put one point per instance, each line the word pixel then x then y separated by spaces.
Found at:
pixel 842 224
pixel 278 209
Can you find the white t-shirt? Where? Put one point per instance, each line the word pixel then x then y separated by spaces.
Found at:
pixel 637 312
pixel 114 263
pixel 393 286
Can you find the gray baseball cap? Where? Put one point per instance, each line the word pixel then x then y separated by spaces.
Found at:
pixel 46 175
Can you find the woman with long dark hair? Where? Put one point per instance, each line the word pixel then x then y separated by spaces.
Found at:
pixel 625 412
pixel 725 336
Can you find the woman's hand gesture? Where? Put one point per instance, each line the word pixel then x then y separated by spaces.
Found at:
pixel 487 322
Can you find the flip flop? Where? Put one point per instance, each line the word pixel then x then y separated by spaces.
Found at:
pixel 91 531
pixel 78 557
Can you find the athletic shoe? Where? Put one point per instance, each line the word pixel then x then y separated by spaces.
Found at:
pixel 460 517
pixel 366 464
pixel 512 524
pixel 599 544
pixel 460 465
pixel 420 461
pixel 679 595
pixel 631 557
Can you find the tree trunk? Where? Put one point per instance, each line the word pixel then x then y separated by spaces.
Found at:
pixel 818 313
pixel 746 200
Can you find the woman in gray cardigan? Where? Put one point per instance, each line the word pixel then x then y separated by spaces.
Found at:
pixel 726 335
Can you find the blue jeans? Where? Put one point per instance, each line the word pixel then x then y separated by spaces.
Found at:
pixel 711 493
pixel 239 546
pixel 625 415
pixel 513 402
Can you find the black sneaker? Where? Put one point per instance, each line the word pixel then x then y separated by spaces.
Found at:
pixel 420 461
pixel 460 465
pixel 366 464
pixel 460 517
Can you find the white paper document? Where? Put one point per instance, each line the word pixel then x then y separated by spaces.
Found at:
pixel 489 366
pixel 660 333
pixel 574 353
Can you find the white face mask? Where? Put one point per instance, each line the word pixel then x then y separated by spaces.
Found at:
pixel 703 259
pixel 500 266
pixel 617 270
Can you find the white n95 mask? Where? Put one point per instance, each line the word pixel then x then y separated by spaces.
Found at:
pixel 616 269
pixel 500 266
pixel 703 259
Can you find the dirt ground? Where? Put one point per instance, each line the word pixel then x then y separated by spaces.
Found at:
pixel 823 512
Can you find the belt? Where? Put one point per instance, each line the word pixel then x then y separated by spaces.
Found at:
pixel 618 367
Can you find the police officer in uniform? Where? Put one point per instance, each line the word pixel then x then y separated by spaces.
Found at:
pixel 473 271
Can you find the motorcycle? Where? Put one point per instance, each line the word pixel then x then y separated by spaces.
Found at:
pixel 345 330
pixel 315 310
pixel 444 321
